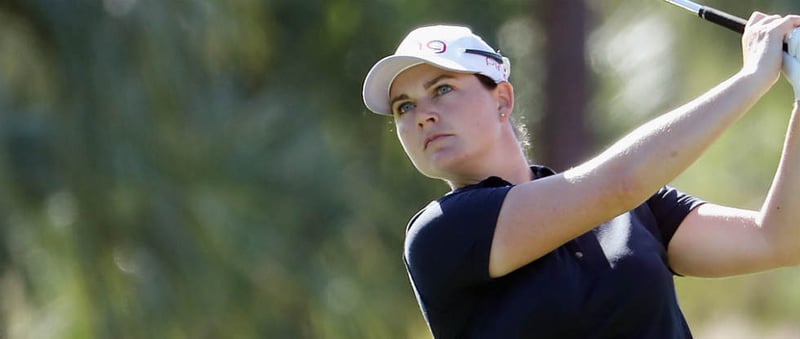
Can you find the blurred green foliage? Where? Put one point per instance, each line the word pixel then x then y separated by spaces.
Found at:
pixel 206 169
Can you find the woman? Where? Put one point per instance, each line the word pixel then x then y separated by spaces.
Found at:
pixel 519 251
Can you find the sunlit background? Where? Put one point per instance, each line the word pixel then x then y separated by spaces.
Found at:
pixel 206 168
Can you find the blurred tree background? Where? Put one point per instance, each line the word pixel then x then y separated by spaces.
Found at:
pixel 206 168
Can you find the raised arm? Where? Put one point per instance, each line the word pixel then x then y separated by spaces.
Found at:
pixel 720 241
pixel 717 241
pixel 541 215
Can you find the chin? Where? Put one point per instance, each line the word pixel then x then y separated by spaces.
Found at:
pixel 443 166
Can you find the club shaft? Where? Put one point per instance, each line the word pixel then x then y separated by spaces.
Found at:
pixel 686 4
pixel 729 21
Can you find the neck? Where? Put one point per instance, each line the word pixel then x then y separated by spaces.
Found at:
pixel 510 166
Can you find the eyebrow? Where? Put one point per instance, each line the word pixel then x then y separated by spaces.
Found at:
pixel 396 99
pixel 426 86
pixel 436 79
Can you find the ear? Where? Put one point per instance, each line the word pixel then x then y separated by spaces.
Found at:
pixel 504 94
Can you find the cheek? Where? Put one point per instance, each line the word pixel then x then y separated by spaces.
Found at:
pixel 480 119
pixel 404 134
pixel 401 130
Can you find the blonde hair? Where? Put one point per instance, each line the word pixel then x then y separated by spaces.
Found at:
pixel 520 129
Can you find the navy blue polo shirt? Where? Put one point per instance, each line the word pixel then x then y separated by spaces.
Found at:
pixel 611 282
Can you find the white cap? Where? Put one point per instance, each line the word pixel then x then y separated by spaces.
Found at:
pixel 451 48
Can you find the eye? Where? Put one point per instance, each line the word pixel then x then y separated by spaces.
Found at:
pixel 404 107
pixel 443 89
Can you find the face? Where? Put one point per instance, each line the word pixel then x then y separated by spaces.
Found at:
pixel 446 121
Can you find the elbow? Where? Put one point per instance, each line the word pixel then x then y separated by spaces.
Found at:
pixel 789 258
pixel 785 254
pixel 783 243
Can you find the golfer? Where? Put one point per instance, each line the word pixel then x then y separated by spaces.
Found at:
pixel 515 250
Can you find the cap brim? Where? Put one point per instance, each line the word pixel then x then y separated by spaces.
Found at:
pixel 380 78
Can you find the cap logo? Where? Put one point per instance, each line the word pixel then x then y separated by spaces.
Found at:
pixel 437 46
pixel 496 65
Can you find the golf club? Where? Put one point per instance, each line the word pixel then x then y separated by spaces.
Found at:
pixel 716 16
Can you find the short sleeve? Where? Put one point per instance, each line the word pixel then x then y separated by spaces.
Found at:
pixel 669 207
pixel 448 243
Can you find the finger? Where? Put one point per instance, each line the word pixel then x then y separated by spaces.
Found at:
pixel 761 19
pixel 794 19
pixel 760 22
pixel 790 28
pixel 779 28
pixel 755 17
pixel 770 19
pixel 789 22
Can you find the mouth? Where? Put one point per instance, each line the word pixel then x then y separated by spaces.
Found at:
pixel 433 137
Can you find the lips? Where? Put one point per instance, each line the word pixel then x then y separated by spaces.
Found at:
pixel 434 137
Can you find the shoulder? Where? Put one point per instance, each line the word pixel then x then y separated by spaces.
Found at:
pixel 447 243
pixel 468 208
pixel 669 207
pixel 671 203
pixel 461 206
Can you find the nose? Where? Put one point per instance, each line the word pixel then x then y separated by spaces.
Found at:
pixel 426 113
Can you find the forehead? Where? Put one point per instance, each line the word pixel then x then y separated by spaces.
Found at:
pixel 418 76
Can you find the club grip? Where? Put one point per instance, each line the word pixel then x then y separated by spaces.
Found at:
pixel 726 20
pixel 723 19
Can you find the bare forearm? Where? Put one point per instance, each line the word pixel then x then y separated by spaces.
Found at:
pixel 780 214
pixel 657 152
